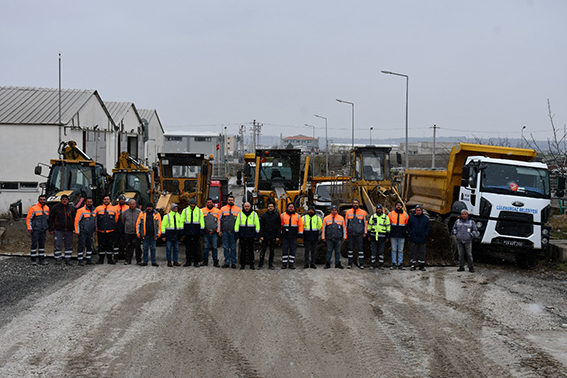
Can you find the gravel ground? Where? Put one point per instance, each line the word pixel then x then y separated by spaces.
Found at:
pixel 116 321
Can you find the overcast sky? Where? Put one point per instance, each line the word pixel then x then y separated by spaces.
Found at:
pixel 479 67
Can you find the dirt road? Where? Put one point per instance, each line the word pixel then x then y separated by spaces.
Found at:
pixel 130 321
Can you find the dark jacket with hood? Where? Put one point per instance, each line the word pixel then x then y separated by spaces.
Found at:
pixel 270 225
pixel 418 228
pixel 62 218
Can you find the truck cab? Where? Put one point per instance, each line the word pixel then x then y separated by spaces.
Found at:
pixel 509 200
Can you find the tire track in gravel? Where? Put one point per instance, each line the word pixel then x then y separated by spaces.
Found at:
pixel 507 343
pixel 446 351
pixel 213 330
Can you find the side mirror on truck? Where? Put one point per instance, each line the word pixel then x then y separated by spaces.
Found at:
pixel 239 178
pixel 560 187
pixel 399 158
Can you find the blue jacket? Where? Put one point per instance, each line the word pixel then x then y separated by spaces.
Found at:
pixel 418 228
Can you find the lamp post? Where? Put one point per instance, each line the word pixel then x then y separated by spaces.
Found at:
pixel 352 104
pixel 326 146
pixel 407 87
pixel 522 141
pixel 225 151
pixel 372 128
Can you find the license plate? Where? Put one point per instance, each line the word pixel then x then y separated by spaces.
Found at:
pixel 513 243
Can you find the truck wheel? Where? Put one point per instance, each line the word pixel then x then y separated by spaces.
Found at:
pixel 526 260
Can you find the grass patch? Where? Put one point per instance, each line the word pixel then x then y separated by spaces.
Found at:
pixel 558 226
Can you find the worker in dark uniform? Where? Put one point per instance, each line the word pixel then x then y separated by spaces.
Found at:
pixel 292 228
pixel 106 219
pixel 62 225
pixel 270 232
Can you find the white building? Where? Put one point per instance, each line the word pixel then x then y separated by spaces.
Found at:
pixel 31 133
pixel 126 118
pixel 154 135
pixel 209 143
pixel 302 142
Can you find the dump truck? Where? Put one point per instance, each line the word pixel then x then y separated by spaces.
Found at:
pixel 503 189
pixel 277 178
pixel 132 179
pixel 76 175
pixel 183 176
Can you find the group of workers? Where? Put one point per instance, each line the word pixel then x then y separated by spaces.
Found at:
pixel 125 226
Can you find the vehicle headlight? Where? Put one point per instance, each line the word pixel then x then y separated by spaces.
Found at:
pixel 478 224
pixel 544 241
pixel 545 231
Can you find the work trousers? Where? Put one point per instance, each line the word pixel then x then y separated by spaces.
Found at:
pixel 465 248
pixel 210 242
pixel 265 244
pixel 417 253
pixel 192 248
pixel 37 244
pixel 377 248
pixel 149 243
pixel 85 241
pixel 229 247
pixel 132 244
pixel 310 251
pixel 246 251
pixel 60 239
pixel 355 240
pixel 172 246
pixel 105 243
pixel 289 247
pixel 119 243
pixel 334 245
pixel 397 250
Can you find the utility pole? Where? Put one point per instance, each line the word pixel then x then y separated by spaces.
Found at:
pixel 241 132
pixel 256 130
pixel 434 127
pixel 59 98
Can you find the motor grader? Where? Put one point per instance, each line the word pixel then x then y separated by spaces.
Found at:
pixel 275 175
pixel 183 176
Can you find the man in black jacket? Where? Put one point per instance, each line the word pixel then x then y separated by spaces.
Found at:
pixel 270 230
pixel 62 225
pixel 418 231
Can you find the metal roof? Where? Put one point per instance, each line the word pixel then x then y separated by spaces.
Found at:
pixel 148 114
pixel 299 137
pixel 40 106
pixel 118 110
pixel 193 133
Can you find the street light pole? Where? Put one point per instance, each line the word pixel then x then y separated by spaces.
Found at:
pixel 522 141
pixel 326 146
pixel 407 91
pixel 372 128
pixel 352 104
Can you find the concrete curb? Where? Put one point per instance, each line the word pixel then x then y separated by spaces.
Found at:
pixel 559 249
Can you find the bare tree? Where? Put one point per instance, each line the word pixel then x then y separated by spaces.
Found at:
pixel 556 154
pixel 504 142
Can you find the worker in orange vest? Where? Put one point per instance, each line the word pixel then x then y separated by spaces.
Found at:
pixel 357 227
pixel 398 222
pixel 292 228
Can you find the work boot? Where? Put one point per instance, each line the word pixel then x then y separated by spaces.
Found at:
pixel 312 266
pixel 169 264
pixel 196 264
pixel 271 267
pixel 291 266
pixel 188 263
pixel 372 267
pixel 422 267
pixel 401 267
pixel 306 266
pixel 216 264
pixel 260 266
pixel 393 267
pixel 380 266
pixel 155 264
pixel 89 262
pixel 349 266
pixel 241 267
pixel 233 266
pixel 81 263
pixel 110 261
pixel 58 261
pixel 225 265
pixel 461 269
pixel 471 269
pixel 339 266
pixel 327 265
pixel 360 265
pixel 252 267
pixel 42 261
pixel 175 263
pixel 205 263
pixel 67 261
pixel 33 261
pixel 412 267
pixel 100 259
pixel 284 266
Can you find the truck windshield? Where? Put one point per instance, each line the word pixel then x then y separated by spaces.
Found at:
pixel 323 191
pixel 181 171
pixel 515 180
pixel 70 177
pixel 130 182
pixel 372 164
